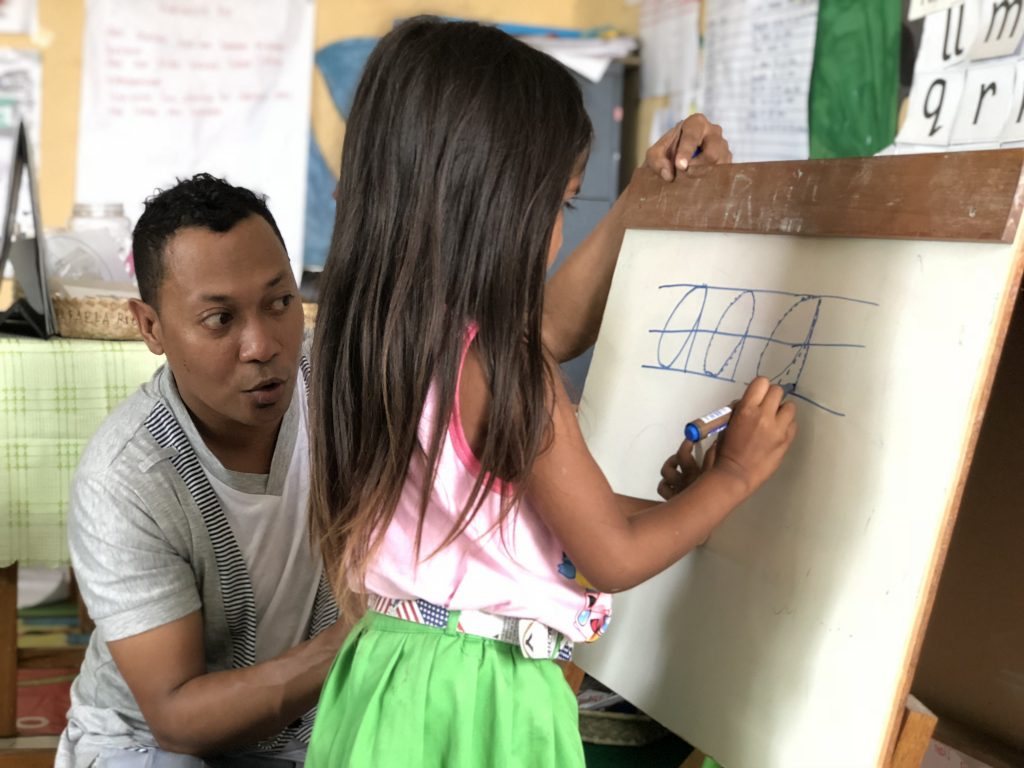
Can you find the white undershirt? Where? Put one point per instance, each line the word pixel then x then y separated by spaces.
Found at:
pixel 272 533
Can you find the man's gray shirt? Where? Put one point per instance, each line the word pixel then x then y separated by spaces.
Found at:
pixel 150 544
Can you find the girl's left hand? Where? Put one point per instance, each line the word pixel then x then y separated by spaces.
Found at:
pixel 675 150
pixel 681 469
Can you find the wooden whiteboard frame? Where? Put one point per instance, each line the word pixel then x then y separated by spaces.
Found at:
pixel 971 197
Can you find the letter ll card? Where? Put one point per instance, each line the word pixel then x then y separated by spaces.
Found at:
pixel 948 37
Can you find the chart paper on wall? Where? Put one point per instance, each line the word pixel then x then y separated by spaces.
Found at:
pixel 172 89
pixel 757 75
pixel 18 17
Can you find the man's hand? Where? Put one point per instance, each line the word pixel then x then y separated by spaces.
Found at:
pixel 681 469
pixel 575 297
pixel 678 149
pixel 165 668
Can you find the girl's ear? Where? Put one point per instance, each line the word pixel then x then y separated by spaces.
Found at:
pixel 149 325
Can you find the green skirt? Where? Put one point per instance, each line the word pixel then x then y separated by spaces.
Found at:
pixel 411 695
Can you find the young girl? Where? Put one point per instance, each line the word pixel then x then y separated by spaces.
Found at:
pixel 453 497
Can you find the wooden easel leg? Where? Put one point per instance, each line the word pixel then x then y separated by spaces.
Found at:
pixel 9 651
pixel 573 675
pixel 915 734
pixel 694 760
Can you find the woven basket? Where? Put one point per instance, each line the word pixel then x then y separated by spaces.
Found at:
pixel 619 730
pixel 95 317
pixel 103 317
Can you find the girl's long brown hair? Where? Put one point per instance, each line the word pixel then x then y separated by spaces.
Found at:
pixel 459 146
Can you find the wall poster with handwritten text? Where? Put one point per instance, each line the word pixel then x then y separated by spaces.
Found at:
pixel 174 87
pixel 758 57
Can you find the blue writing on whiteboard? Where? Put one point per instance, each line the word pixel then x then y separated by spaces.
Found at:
pixel 735 334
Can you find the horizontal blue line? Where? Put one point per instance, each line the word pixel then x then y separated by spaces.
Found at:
pixel 759 338
pixel 760 290
pixel 808 400
pixel 688 373
pixel 733 381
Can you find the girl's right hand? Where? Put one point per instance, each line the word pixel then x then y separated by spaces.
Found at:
pixel 760 431
pixel 618 550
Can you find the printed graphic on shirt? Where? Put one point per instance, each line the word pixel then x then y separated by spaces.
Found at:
pixel 567 569
pixel 593 618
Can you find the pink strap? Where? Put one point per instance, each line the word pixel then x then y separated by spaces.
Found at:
pixel 459 441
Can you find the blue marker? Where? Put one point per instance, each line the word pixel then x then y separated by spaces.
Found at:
pixel 716 421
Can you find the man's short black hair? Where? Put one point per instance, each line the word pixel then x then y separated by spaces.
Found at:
pixel 202 201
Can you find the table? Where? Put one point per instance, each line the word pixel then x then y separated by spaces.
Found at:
pixel 53 396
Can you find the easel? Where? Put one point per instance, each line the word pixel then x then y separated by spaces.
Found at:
pixel 962 197
pixel 32 314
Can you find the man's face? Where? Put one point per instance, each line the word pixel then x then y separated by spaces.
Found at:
pixel 230 322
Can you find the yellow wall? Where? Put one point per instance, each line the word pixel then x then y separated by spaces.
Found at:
pixel 338 19
pixel 59 40
pixel 341 19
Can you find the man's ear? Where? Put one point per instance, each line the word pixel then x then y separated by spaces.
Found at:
pixel 149 325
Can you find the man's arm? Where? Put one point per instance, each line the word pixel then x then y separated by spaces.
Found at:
pixel 196 712
pixel 575 297
pixel 140 590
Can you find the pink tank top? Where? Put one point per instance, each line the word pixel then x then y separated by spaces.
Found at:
pixel 525 574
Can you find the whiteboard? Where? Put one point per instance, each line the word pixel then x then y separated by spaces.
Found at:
pixel 784 640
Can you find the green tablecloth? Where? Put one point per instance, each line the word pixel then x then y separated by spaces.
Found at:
pixel 53 396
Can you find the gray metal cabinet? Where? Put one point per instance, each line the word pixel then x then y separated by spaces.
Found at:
pixel 604 103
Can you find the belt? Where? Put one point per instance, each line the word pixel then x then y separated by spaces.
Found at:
pixel 534 640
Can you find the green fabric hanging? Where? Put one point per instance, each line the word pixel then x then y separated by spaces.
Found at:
pixel 855 83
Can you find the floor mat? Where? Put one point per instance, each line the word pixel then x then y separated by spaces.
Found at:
pixel 44 696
